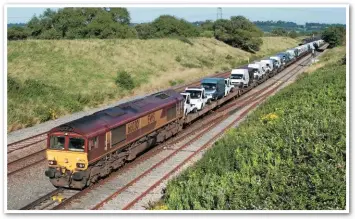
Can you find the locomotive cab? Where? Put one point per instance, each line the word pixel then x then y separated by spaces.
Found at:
pixel 67 159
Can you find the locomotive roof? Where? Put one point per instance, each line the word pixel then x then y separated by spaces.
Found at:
pixel 107 119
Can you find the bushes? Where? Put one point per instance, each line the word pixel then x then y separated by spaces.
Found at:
pixel 17 33
pixel 167 26
pixel 207 33
pixel 239 32
pixel 50 34
pixel 125 80
pixel 145 31
pixel 290 154
pixel 334 35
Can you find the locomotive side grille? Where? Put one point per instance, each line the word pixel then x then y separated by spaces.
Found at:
pixel 171 114
pixel 118 134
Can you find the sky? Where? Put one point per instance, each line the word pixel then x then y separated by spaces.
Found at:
pixel 146 14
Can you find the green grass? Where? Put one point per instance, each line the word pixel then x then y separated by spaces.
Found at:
pixel 59 77
pixel 290 154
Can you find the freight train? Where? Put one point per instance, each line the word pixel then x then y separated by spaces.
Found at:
pixel 82 151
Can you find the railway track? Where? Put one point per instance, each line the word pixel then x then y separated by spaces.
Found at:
pixel 50 200
pixel 15 146
pixel 26 162
pixel 197 130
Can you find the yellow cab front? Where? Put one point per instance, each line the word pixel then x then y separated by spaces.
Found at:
pixel 67 159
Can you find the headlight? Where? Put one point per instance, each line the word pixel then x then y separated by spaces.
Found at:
pixel 52 162
pixel 80 165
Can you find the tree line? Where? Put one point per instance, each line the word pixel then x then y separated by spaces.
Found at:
pixel 268 26
pixel 75 23
pixel 110 23
pixel 115 23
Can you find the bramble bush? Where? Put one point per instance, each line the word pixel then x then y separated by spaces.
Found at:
pixel 125 80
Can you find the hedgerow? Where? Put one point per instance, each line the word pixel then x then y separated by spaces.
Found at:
pixel 289 154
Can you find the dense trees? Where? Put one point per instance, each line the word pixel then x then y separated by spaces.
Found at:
pixel 334 35
pixel 238 32
pixel 73 23
pixel 167 26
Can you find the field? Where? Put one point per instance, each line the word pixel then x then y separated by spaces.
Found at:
pixel 48 79
pixel 289 154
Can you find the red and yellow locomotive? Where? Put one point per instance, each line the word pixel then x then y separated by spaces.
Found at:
pixel 84 150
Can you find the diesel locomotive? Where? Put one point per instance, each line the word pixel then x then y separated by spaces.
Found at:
pixel 82 151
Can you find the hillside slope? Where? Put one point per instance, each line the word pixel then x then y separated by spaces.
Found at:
pixel 48 79
pixel 289 154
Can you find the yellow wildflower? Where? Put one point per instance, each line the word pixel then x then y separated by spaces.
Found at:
pixel 269 117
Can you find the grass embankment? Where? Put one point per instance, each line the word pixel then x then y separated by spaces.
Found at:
pixel 290 153
pixel 51 78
